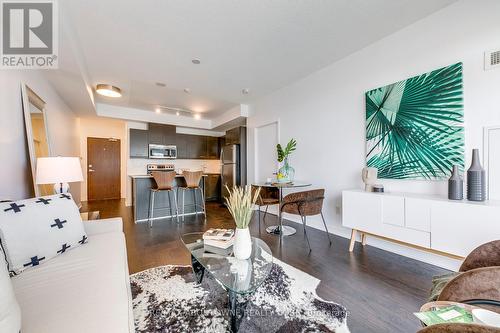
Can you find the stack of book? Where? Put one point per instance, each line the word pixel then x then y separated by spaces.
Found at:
pixel 219 241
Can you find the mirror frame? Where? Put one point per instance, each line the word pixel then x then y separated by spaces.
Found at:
pixel 30 97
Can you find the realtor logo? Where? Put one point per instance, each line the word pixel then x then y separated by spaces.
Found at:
pixel 29 34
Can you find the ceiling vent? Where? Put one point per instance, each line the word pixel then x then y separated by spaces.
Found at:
pixel 492 59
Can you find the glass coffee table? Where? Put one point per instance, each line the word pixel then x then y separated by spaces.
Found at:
pixel 240 278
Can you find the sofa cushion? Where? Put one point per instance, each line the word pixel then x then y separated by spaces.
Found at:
pixel 34 230
pixel 10 314
pixel 83 290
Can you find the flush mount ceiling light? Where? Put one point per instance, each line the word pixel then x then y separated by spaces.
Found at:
pixel 197 116
pixel 157 110
pixel 196 61
pixel 108 90
pixel 187 90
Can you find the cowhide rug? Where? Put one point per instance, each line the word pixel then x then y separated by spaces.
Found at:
pixel 167 299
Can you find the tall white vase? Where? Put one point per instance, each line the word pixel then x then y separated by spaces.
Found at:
pixel 242 247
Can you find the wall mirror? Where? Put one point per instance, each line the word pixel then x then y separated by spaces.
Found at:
pixel 37 138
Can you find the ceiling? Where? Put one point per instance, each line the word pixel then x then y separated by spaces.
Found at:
pixel 242 44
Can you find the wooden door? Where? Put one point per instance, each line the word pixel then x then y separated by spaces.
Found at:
pixel 103 169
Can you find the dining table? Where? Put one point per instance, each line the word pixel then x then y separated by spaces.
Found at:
pixel 280 229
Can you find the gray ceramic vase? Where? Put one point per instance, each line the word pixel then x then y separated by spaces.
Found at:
pixel 476 179
pixel 455 185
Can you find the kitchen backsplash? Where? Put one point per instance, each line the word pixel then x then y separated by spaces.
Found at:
pixel 138 166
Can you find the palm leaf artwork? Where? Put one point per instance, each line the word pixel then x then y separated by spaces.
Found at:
pixel 414 128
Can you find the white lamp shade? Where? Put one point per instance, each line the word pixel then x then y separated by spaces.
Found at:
pixel 52 170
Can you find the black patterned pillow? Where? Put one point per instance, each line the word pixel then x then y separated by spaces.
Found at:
pixel 34 230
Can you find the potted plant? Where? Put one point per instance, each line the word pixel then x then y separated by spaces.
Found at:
pixel 286 173
pixel 240 204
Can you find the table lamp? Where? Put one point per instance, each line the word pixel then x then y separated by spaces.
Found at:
pixel 58 171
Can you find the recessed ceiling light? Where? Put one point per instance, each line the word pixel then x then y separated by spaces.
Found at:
pixel 157 110
pixel 197 116
pixel 245 91
pixel 160 84
pixel 196 61
pixel 187 90
pixel 177 113
pixel 108 90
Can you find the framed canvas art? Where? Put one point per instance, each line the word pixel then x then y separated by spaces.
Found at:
pixel 414 127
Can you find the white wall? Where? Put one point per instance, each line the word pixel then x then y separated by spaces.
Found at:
pixel 325 111
pixel 99 127
pixel 15 176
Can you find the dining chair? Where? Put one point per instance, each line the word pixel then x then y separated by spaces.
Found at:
pixel 268 196
pixel 163 181
pixel 193 179
pixel 304 204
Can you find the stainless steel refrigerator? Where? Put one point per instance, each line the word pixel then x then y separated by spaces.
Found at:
pixel 231 168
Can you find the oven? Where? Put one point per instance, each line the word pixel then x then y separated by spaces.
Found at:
pixel 161 151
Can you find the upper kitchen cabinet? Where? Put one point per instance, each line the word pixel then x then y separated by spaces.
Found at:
pixel 139 140
pixel 233 136
pixel 212 147
pixel 160 134
pixel 197 147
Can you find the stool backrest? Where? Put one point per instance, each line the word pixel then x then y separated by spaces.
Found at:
pixel 192 178
pixel 164 179
pixel 304 203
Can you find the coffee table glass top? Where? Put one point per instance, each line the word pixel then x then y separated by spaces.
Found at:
pixel 239 276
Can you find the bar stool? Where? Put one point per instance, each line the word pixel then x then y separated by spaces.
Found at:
pixel 192 183
pixel 164 181
pixel 305 204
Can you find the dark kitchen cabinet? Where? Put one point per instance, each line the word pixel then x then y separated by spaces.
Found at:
pixel 212 187
pixel 233 136
pixel 160 134
pixel 212 147
pixel 139 140
pixel 197 147
pixel 182 146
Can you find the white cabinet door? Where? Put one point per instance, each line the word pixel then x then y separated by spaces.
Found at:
pixel 458 228
pixel 393 210
pixel 418 214
pixel 362 211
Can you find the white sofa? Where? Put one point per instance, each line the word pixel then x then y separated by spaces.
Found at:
pixel 86 289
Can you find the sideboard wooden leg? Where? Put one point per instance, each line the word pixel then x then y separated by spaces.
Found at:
pixel 363 239
pixel 353 239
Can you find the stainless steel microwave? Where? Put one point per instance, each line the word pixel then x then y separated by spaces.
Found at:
pixel 161 151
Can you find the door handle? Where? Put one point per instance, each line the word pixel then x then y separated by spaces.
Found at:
pixel 90 170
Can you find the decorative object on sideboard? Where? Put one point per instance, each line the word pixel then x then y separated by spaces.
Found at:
pixel 455 185
pixel 286 173
pixel 369 176
pixel 240 204
pixel 58 171
pixel 378 188
pixel 415 127
pixel 476 179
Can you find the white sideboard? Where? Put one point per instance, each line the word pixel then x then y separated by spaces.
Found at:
pixel 430 223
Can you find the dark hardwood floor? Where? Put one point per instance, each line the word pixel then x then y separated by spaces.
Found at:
pixel 381 290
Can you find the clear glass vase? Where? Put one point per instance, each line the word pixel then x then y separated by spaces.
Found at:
pixel 286 173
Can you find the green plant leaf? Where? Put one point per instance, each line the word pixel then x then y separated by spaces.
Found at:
pixel 290 148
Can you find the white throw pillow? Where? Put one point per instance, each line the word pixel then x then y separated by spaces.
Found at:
pixel 34 230
pixel 10 313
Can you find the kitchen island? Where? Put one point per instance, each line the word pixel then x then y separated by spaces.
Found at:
pixel 141 192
